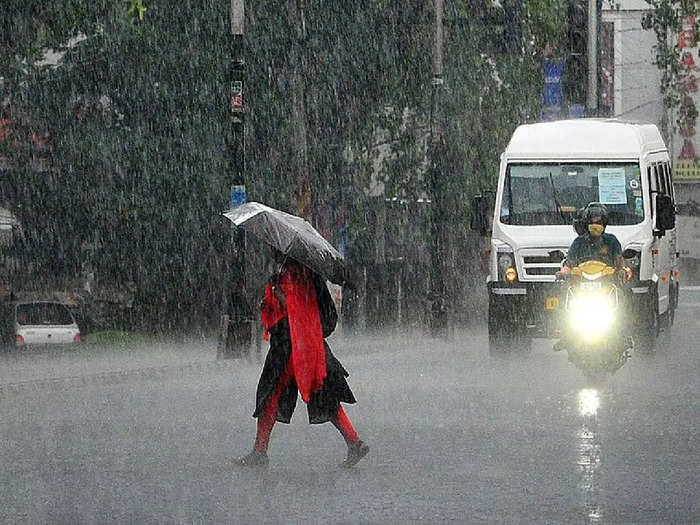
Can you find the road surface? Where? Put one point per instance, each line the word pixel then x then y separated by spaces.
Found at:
pixel 145 435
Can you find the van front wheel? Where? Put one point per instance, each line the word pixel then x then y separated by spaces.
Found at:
pixel 506 337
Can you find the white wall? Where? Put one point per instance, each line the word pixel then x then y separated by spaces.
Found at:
pixel 637 80
pixel 627 5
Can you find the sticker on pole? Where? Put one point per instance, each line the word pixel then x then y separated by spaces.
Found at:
pixel 237 195
pixel 237 96
pixel 612 186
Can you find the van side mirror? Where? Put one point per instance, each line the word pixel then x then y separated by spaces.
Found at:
pixel 480 214
pixel 665 214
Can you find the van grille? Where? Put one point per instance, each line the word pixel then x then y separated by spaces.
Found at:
pixel 542 271
pixel 534 259
pixel 538 262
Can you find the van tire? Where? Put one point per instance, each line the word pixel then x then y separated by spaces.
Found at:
pixel 672 305
pixel 506 337
pixel 649 328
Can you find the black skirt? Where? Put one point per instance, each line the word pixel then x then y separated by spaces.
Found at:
pixel 323 405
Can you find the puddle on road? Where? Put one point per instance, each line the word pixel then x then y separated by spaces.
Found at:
pixel 588 458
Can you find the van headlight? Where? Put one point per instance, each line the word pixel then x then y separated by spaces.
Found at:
pixel 633 259
pixel 505 260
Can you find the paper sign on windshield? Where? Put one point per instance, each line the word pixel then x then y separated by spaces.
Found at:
pixel 612 187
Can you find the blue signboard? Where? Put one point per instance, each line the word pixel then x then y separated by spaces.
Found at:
pixel 552 94
pixel 577 111
pixel 237 195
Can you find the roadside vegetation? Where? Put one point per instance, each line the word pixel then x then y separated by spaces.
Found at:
pixel 118 152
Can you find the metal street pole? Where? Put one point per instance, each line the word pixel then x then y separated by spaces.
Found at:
pixel 237 81
pixel 235 336
pixel 438 224
pixel 592 50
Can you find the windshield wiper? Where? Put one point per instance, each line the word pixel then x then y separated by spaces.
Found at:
pixel 556 201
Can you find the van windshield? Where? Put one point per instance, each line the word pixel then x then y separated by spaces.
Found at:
pixel 551 193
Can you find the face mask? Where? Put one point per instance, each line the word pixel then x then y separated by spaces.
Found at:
pixel 596 230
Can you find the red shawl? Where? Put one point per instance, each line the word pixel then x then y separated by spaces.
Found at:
pixel 308 352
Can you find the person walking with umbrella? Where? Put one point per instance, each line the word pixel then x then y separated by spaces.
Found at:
pixel 298 314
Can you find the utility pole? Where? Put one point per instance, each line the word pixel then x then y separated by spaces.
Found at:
pixel 438 317
pixel 512 29
pixel 237 76
pixel 297 14
pixel 235 331
pixel 592 51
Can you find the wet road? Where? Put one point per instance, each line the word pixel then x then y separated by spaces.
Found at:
pixel 107 435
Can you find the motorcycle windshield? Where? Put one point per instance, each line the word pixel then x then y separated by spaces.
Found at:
pixel 593 269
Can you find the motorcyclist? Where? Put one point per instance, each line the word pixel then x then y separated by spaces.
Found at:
pixel 592 243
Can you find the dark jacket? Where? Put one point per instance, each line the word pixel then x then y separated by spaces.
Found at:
pixel 605 248
pixel 323 405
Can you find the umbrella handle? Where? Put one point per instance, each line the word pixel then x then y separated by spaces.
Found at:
pixel 284 261
pixel 278 272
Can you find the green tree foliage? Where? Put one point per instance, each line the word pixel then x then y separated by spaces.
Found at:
pixel 137 118
pixel 136 9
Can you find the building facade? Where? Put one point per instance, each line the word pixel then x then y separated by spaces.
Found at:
pixel 631 89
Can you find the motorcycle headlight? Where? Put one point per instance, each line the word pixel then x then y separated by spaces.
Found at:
pixel 592 315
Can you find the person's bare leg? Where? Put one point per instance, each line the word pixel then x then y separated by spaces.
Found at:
pixel 266 422
pixel 357 449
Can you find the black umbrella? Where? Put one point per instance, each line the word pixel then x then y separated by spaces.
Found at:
pixel 291 235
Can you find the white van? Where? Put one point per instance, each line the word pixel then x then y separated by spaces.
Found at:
pixel 548 172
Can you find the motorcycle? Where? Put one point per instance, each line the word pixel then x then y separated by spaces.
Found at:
pixel 593 319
